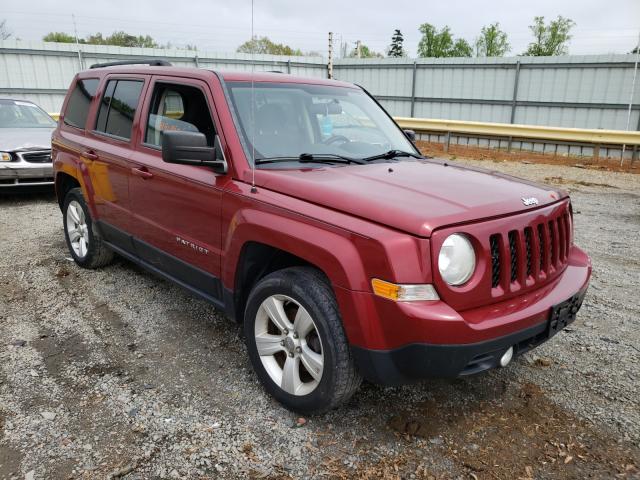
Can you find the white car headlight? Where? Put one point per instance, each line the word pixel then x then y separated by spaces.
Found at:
pixel 5 157
pixel 457 259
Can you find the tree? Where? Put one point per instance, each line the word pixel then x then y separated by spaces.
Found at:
pixel 441 43
pixel 266 46
pixel 365 52
pixel 396 48
pixel 4 30
pixel 123 39
pixel 550 39
pixel 461 48
pixel 492 42
pixel 120 39
pixel 59 37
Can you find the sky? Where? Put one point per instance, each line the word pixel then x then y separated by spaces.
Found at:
pixel 610 26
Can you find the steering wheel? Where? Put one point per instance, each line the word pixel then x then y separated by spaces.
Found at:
pixel 336 138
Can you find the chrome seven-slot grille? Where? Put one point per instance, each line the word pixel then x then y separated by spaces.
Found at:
pixel 531 254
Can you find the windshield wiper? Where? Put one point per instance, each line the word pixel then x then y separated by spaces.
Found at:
pixel 328 157
pixel 310 158
pixel 391 154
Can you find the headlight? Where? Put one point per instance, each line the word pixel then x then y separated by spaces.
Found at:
pixel 5 157
pixel 457 259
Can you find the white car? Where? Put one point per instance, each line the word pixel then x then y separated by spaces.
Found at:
pixel 25 144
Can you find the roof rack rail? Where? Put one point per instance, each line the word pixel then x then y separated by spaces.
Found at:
pixel 142 61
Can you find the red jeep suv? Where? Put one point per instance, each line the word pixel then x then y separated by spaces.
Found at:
pixel 300 209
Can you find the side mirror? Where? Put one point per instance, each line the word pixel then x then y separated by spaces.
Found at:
pixel 411 135
pixel 190 148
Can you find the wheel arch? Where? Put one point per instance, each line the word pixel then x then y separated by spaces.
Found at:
pixel 262 243
pixel 63 183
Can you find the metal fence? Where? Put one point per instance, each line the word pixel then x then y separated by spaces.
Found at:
pixel 572 91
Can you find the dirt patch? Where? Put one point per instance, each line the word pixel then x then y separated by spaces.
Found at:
pixel 477 153
pixel 10 460
pixel 563 181
pixel 57 352
pixel 523 435
pixel 390 467
pixel 102 370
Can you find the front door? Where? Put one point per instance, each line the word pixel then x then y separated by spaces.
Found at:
pixel 177 208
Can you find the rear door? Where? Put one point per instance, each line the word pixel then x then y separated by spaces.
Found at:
pixel 68 139
pixel 108 146
pixel 177 208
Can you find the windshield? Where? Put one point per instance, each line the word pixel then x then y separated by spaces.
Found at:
pixel 292 119
pixel 19 114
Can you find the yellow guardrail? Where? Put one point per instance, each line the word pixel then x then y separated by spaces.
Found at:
pixel 578 135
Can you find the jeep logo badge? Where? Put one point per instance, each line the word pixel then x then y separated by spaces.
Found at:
pixel 530 201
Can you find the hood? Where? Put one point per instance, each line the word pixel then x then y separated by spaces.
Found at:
pixel 416 197
pixel 12 139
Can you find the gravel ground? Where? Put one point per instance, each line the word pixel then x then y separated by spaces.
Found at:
pixel 115 373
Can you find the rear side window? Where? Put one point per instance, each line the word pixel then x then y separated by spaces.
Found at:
pixel 118 107
pixel 79 102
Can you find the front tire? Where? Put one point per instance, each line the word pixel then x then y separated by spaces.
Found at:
pixel 85 244
pixel 296 341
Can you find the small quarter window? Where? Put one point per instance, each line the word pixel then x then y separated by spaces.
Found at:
pixel 78 106
pixel 118 107
pixel 180 108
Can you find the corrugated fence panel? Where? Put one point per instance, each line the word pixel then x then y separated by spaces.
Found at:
pixel 608 119
pixel 462 111
pixel 464 82
pixel 397 108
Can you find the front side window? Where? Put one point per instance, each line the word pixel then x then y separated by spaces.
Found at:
pixel 118 107
pixel 179 108
pixel 21 114
pixel 80 101
pixel 287 120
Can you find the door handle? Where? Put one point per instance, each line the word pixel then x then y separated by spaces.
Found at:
pixel 142 172
pixel 90 155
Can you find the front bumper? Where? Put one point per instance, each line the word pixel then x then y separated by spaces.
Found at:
pixel 23 173
pixel 418 361
pixel 396 342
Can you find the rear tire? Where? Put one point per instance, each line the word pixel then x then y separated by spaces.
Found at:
pixel 303 357
pixel 84 243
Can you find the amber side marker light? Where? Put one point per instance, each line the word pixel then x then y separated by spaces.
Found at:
pixel 404 293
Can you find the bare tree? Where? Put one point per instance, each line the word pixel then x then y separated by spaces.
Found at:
pixel 4 31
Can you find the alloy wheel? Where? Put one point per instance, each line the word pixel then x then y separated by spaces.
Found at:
pixel 289 345
pixel 77 229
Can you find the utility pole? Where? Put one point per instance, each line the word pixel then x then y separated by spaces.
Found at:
pixel 358 49
pixel 75 31
pixel 633 90
pixel 330 61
